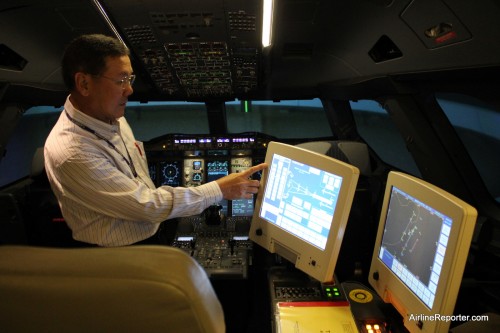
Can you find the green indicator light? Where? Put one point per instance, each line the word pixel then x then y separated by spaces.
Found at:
pixel 337 294
pixel 246 106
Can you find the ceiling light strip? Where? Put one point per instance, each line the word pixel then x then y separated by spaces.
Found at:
pixel 267 22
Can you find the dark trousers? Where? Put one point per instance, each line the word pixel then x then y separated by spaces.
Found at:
pixel 164 236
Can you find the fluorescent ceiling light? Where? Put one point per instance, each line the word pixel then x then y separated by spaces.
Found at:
pixel 267 22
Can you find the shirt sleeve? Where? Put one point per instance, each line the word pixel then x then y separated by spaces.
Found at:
pixel 94 182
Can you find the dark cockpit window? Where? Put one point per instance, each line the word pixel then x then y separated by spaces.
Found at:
pixel 380 133
pixel 284 119
pixel 477 125
pixel 153 119
pixel 148 120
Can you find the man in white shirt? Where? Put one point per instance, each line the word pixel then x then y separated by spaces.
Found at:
pixel 99 172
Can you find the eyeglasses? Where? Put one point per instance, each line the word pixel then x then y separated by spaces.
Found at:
pixel 129 79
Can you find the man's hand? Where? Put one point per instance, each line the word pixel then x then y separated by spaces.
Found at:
pixel 239 185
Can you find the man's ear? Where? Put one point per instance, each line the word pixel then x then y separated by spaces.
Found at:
pixel 82 82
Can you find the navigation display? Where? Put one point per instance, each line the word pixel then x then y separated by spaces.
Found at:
pixel 170 173
pixel 301 199
pixel 414 243
pixel 242 207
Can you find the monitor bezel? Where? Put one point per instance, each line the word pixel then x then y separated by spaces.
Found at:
pixel 318 264
pixel 416 315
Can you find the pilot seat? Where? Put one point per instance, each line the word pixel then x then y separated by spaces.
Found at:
pixel 123 289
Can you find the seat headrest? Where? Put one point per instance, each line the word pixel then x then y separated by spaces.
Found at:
pixel 126 289
pixel 352 152
pixel 37 163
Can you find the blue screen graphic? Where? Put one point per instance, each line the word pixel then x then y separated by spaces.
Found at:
pixel 301 199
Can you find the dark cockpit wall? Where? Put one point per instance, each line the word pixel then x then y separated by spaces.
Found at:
pixel 33 35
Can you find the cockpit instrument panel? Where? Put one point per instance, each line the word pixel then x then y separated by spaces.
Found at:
pixel 217 169
pixel 170 173
pixel 192 160
pixel 194 169
pixel 218 237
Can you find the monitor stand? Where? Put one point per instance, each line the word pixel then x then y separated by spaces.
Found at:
pixel 370 313
pixel 287 284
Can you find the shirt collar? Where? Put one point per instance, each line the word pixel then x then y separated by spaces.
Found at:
pixel 95 124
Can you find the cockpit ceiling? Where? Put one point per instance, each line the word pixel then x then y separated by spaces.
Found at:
pixel 212 50
pixel 193 49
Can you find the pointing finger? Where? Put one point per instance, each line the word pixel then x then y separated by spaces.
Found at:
pixel 250 171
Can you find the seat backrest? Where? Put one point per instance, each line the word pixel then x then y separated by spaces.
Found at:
pixel 37 165
pixel 126 289
pixel 43 218
pixel 12 228
pixel 352 152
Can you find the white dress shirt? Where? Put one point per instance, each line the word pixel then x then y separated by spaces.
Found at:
pixel 100 199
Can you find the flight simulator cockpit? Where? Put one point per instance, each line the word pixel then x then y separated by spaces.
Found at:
pixel 300 217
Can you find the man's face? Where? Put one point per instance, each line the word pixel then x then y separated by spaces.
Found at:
pixel 108 96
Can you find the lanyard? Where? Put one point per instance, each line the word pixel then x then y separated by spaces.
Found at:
pixel 129 162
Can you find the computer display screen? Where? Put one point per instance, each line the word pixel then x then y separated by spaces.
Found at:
pixel 217 169
pixel 170 173
pixel 301 199
pixel 421 249
pixel 414 251
pixel 302 208
pixel 242 207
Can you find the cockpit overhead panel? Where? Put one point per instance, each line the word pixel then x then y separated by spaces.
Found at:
pixel 192 49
